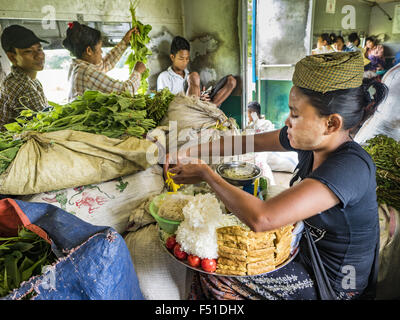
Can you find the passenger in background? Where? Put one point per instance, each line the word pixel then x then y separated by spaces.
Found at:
pixel 178 79
pixel 20 89
pixel 353 43
pixel 339 45
pixel 375 53
pixel 88 70
pixel 257 122
pixel 324 44
pixel 370 45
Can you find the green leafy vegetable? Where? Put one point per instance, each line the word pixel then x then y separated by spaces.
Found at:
pixel 113 115
pixel 385 152
pixel 22 257
pixel 138 45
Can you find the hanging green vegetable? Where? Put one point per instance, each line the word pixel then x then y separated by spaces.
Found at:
pixel 385 152
pixel 138 45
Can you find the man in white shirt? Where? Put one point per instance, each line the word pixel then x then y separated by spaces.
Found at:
pixel 178 79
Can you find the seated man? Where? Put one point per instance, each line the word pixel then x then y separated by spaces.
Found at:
pixel 21 89
pixel 257 121
pixel 178 79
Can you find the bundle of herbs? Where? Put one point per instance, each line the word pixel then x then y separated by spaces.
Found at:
pixel 113 115
pixel 140 52
pixel 22 257
pixel 385 152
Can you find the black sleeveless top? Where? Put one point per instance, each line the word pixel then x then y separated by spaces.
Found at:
pixel 347 235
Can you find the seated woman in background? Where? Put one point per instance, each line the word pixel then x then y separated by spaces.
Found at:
pixel 339 45
pixel 324 44
pixel 375 53
pixel 88 70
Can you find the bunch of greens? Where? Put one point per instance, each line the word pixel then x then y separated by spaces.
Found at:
pixel 138 45
pixel 385 152
pixel 22 257
pixel 8 149
pixel 113 115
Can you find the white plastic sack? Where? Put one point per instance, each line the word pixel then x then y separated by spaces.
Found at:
pixel 282 161
pixel 160 276
pixel 191 112
pixel 388 286
pixel 386 120
pixel 108 203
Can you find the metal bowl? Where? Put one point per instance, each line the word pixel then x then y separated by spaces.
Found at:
pixel 235 164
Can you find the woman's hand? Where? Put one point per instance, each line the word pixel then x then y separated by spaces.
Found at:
pixel 140 67
pixel 192 172
pixel 128 35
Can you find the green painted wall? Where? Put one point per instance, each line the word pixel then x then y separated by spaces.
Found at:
pixel 274 100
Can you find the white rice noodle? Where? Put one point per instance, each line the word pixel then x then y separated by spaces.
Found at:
pixel 197 233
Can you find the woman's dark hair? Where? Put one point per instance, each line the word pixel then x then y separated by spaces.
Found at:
pixel 178 44
pixel 372 39
pixel 255 106
pixel 355 105
pixel 353 37
pixel 329 38
pixel 79 37
pixel 339 38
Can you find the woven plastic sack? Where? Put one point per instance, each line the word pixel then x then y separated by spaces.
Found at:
pixel 109 203
pixel 93 263
pixel 388 285
pixel 191 112
pixel 68 159
pixel 160 276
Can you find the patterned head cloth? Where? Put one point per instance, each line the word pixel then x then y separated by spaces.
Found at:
pixel 330 71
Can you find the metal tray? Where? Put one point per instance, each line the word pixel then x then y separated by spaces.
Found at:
pixel 186 264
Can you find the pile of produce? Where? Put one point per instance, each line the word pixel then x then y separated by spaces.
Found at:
pixel 22 257
pixel 385 152
pixel 138 45
pixel 113 115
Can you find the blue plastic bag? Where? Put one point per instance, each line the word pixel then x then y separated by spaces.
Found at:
pixel 93 263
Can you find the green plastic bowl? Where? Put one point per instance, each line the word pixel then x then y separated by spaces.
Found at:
pixel 167 225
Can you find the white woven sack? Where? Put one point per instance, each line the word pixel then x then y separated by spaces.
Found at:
pixel 108 203
pixel 160 277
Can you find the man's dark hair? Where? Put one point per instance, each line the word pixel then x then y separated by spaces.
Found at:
pixel 353 37
pixel 255 106
pixel 340 38
pixel 178 44
pixel 329 38
pixel 79 37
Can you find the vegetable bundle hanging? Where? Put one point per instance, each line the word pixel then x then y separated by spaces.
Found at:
pixel 138 44
pixel 385 152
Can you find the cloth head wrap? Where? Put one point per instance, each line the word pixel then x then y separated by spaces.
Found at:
pixel 329 72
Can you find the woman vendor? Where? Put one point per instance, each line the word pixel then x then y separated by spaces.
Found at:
pixel 332 189
pixel 88 70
